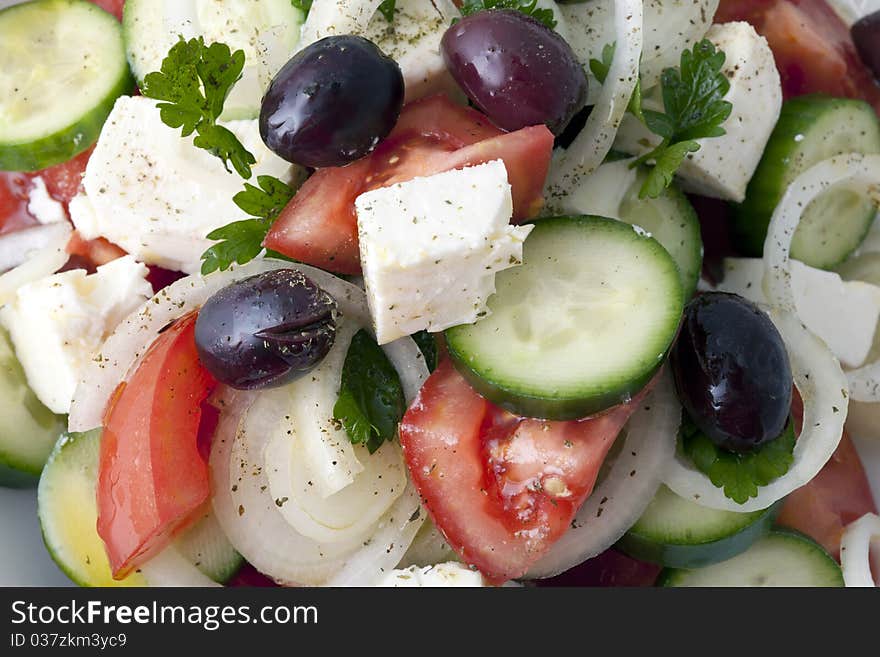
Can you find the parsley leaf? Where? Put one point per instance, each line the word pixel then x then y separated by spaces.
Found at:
pixel 193 83
pixel 527 7
pixel 600 69
pixel 427 344
pixel 242 241
pixel 371 401
pixel 387 9
pixel 694 108
pixel 303 5
pixel 739 475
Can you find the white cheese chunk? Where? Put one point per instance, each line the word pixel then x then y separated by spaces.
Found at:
pixel 412 39
pixel 154 193
pixel 58 323
pixel 724 165
pixel 42 206
pixel 430 248
pixel 450 574
pixel 842 313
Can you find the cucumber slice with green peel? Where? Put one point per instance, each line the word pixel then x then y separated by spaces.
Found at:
pixel 28 430
pixel 678 533
pixel 581 326
pixel 811 129
pixel 68 512
pixel 268 32
pixel 206 546
pixel 671 220
pixel 782 558
pixel 63 67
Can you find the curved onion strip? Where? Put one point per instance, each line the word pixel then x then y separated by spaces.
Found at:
pixel 40 264
pixel 251 521
pixel 136 333
pixel 861 172
pixel 822 386
pixel 591 146
pixel 621 497
pixel 328 17
pixel 171 568
pixel 15 247
pixel 855 550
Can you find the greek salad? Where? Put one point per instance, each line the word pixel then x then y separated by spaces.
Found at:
pixel 443 292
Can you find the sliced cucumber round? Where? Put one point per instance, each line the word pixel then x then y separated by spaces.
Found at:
pixel 68 512
pixel 28 430
pixel 678 533
pixel 63 67
pixel 580 327
pixel 268 32
pixel 782 558
pixel 811 129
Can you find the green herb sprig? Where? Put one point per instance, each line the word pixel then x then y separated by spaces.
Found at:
pixel 527 7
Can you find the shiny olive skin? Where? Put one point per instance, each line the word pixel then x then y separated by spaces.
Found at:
pixel 265 330
pixel 866 36
pixel 732 371
pixel 515 69
pixel 332 102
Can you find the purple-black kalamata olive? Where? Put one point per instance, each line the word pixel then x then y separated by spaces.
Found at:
pixel 332 102
pixel 265 330
pixel 866 36
pixel 732 371
pixel 515 69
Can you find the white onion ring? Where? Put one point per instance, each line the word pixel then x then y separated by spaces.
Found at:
pixel 621 497
pixel 15 247
pixel 327 17
pixel 591 146
pixel 171 568
pixel 855 550
pixel 44 262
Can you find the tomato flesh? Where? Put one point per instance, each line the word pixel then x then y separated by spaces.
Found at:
pixel 319 225
pixel 152 478
pixel 813 48
pixel 501 488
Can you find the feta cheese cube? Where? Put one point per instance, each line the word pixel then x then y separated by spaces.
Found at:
pixel 430 248
pixel 58 323
pixel 43 207
pixel 449 575
pixel 842 313
pixel 154 193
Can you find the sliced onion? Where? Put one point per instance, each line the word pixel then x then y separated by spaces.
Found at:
pixel 171 568
pixel 43 262
pixel 17 246
pixel 328 17
pixel 591 146
pixel 136 333
pixel 855 550
pixel 630 485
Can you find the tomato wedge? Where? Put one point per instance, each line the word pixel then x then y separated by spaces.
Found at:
pixel 319 226
pixel 813 48
pixel 152 479
pixel 501 488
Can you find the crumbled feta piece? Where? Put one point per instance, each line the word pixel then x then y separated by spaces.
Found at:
pixel 430 248
pixel 43 207
pixel 154 193
pixel 843 313
pixel 58 323
pixel 450 574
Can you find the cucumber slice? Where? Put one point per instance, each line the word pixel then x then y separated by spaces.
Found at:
pixel 782 558
pixel 582 326
pixel 206 546
pixel 63 67
pixel 68 516
pixel 28 430
pixel 268 32
pixel 678 533
pixel 812 129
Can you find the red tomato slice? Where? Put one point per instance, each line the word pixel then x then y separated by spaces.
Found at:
pixel 152 479
pixel 14 189
pixel 812 46
pixel 501 488
pixel 319 226
pixel 112 6
pixel 63 181
pixel 95 252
